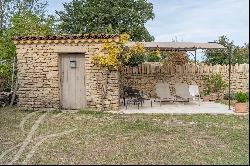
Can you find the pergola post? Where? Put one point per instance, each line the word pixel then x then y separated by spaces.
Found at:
pixel 195 56
pixel 229 78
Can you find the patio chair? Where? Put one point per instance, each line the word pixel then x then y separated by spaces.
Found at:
pixel 134 96
pixel 194 91
pixel 182 92
pixel 163 92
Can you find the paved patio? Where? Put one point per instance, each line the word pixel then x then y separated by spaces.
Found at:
pixel 191 107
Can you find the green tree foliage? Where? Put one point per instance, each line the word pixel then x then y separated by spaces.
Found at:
pixel 4 13
pixel 107 16
pixel 239 55
pixel 28 19
pixel 27 23
pixel 10 7
pixel 7 52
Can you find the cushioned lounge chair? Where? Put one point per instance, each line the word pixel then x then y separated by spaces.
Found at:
pixel 163 92
pixel 182 92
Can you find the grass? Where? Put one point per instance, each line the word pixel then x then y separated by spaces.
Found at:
pixel 106 138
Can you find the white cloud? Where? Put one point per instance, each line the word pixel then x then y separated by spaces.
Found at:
pixel 200 21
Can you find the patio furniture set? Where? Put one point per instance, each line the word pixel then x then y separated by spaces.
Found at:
pixel 184 93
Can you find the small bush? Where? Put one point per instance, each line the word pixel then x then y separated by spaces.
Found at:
pixel 135 60
pixel 214 83
pixel 134 56
pixel 241 97
pixel 153 56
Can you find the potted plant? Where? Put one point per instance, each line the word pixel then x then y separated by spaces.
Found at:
pixel 206 96
pixel 240 105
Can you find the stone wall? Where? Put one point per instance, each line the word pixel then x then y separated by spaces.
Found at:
pixel 38 76
pixel 145 77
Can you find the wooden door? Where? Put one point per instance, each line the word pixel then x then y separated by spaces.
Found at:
pixel 72 79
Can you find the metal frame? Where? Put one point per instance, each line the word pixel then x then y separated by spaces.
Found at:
pixel 229 78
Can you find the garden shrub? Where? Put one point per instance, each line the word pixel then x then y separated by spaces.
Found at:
pixel 135 60
pixel 134 56
pixel 241 97
pixel 153 56
pixel 213 84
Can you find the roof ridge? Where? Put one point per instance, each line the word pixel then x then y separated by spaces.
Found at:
pixel 66 36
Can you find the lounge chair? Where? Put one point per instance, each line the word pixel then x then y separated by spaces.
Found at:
pixel 163 92
pixel 194 91
pixel 182 92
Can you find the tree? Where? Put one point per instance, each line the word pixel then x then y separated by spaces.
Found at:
pixel 240 54
pixel 25 21
pixel 107 16
pixel 10 7
pixel 4 13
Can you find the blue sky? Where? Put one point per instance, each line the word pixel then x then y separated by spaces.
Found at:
pixel 194 20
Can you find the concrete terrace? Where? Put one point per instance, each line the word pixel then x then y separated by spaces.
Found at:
pixel 191 107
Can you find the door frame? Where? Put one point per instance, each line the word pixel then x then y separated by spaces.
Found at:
pixel 83 55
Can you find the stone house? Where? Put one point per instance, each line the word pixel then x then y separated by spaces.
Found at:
pixel 56 72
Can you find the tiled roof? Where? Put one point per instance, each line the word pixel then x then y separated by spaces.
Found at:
pixel 63 38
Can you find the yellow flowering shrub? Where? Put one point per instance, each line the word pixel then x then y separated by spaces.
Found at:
pixel 114 55
pixel 110 58
pixel 157 53
pixel 134 55
pixel 123 38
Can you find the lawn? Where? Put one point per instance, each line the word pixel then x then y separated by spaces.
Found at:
pixel 105 138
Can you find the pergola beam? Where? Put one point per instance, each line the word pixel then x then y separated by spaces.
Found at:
pixel 190 46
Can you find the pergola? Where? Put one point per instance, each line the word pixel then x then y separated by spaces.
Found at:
pixel 180 46
pixel 188 46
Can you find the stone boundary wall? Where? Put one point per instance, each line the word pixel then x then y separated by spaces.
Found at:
pixel 38 76
pixel 145 76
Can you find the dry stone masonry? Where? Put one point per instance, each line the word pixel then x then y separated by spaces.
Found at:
pixel 145 77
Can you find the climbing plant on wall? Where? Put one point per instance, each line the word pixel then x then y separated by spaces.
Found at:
pixel 116 55
pixel 110 57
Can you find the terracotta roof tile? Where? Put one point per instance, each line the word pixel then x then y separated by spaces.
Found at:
pixel 65 37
